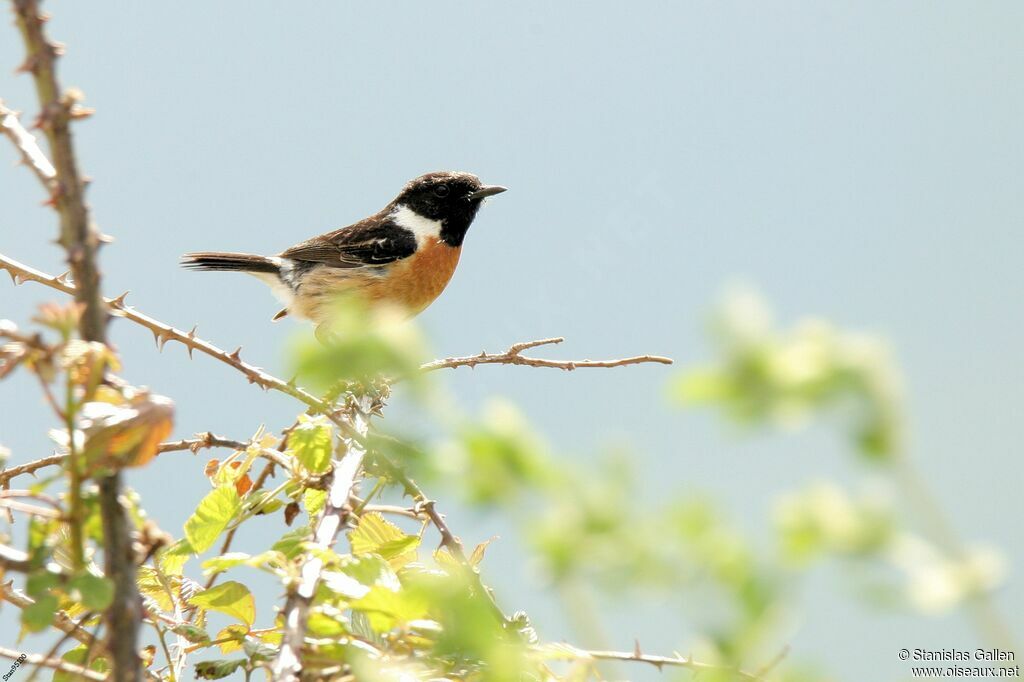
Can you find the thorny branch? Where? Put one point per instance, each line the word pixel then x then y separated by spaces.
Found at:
pixel 25 142
pixel 659 662
pixel 53 663
pixel 81 241
pixel 206 440
pixel 513 356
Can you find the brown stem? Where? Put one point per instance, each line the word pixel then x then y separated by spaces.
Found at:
pixel 81 242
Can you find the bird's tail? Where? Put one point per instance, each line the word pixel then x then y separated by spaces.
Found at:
pixel 238 262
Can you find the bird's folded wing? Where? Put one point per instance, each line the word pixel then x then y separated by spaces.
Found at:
pixel 357 246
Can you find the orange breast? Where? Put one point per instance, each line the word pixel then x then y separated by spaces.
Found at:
pixel 411 283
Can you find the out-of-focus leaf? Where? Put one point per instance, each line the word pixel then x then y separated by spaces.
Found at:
pixel 787 377
pixel 94 592
pixel 212 516
pixel 129 435
pixel 77 656
pixel 230 598
pixel 387 608
pixel 498 458
pixel 39 615
pixel 290 543
pixel 361 344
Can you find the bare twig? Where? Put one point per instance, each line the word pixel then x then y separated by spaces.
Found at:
pixel 288 664
pixel 30 467
pixel 513 356
pixel 636 656
pixel 81 241
pixel 31 155
pixel 53 663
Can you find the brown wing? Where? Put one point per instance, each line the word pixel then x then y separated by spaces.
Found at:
pixel 372 242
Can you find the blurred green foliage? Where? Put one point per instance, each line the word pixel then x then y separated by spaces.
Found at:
pixel 387 608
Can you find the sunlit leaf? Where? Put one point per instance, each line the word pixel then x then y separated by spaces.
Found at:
pixel 313 500
pixel 230 598
pixel 234 636
pixel 311 443
pixel 212 516
pixel 377 535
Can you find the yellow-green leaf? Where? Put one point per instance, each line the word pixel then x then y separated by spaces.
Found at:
pixel 236 633
pixel 211 517
pixel 377 535
pixel 311 444
pixel 230 598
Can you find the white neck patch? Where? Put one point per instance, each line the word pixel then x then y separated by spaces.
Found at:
pixel 415 223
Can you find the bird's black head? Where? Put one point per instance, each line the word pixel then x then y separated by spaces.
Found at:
pixel 450 197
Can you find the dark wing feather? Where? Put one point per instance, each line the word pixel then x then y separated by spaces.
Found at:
pixel 372 242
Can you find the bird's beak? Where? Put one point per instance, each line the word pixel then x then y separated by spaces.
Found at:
pixel 487 191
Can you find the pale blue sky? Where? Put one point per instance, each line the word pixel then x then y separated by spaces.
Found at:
pixel 861 161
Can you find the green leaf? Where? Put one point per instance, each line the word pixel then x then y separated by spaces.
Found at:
pixel 192 633
pixel 95 592
pixel 40 582
pixel 311 443
pixel 377 535
pixel 150 586
pixel 230 598
pixel 77 656
pixel 172 559
pixel 218 669
pixel 386 608
pixel 313 500
pixel 223 562
pixel 211 517
pixel 290 543
pixel 40 615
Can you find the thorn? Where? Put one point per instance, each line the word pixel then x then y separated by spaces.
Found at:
pixel 63 277
pixel 192 332
pixel 236 354
pixel 119 301
pixel 79 112
pixel 636 649
pixel 14 278
pixel 103 238
pixel 161 340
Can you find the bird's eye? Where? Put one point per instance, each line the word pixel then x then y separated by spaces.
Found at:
pixel 441 190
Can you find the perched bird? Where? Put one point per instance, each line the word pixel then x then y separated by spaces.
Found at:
pixel 403 255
